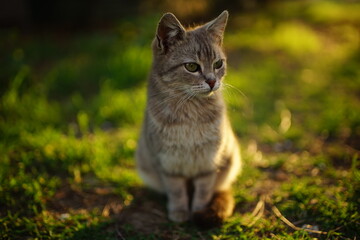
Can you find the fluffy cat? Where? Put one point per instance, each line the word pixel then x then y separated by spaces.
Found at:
pixel 187 148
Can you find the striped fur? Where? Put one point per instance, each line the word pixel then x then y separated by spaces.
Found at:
pixel 186 135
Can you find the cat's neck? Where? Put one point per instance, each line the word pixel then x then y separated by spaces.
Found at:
pixel 179 108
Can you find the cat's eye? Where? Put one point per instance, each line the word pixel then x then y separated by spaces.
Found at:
pixel 192 67
pixel 218 64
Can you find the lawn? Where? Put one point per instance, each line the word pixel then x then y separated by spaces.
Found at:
pixel 71 107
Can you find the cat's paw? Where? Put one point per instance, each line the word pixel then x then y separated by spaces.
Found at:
pixel 179 216
pixel 207 219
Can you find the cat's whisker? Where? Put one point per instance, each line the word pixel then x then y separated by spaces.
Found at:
pixel 170 91
pixel 228 93
pixel 227 86
pixel 157 103
pixel 190 95
pixel 182 101
pixel 159 107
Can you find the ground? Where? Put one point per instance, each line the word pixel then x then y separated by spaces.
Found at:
pixel 71 108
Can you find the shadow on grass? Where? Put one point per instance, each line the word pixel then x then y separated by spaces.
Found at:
pixel 143 218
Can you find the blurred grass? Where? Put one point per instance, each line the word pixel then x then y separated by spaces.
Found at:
pixel 71 108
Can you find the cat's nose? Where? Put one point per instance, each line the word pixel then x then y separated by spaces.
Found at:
pixel 210 79
pixel 211 83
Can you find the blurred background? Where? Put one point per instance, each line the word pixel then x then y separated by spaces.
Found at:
pixel 73 90
pixel 94 14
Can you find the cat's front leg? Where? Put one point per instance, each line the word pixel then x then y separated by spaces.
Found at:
pixel 203 192
pixel 178 202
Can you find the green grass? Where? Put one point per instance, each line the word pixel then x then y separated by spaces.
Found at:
pixel 71 108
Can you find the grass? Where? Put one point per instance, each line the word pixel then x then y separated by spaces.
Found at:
pixel 71 108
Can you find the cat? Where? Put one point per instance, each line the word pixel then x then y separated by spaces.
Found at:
pixel 187 148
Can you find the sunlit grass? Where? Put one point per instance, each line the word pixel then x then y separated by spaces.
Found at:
pixel 71 112
pixel 333 11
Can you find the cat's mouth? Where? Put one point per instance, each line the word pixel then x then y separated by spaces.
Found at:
pixel 207 93
pixel 204 91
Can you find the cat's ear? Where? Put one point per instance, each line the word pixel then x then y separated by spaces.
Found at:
pixel 169 31
pixel 216 27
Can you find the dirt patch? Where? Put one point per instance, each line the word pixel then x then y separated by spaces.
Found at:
pixel 70 198
pixel 144 215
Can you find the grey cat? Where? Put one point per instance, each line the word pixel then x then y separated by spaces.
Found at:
pixel 187 148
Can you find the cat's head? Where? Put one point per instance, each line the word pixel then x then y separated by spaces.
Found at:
pixel 190 60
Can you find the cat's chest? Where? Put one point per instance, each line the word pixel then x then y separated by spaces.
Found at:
pixel 187 134
pixel 188 149
pixel 192 123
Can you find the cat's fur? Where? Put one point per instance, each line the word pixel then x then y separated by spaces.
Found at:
pixel 186 138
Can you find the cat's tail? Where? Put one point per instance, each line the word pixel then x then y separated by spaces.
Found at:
pixel 220 207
